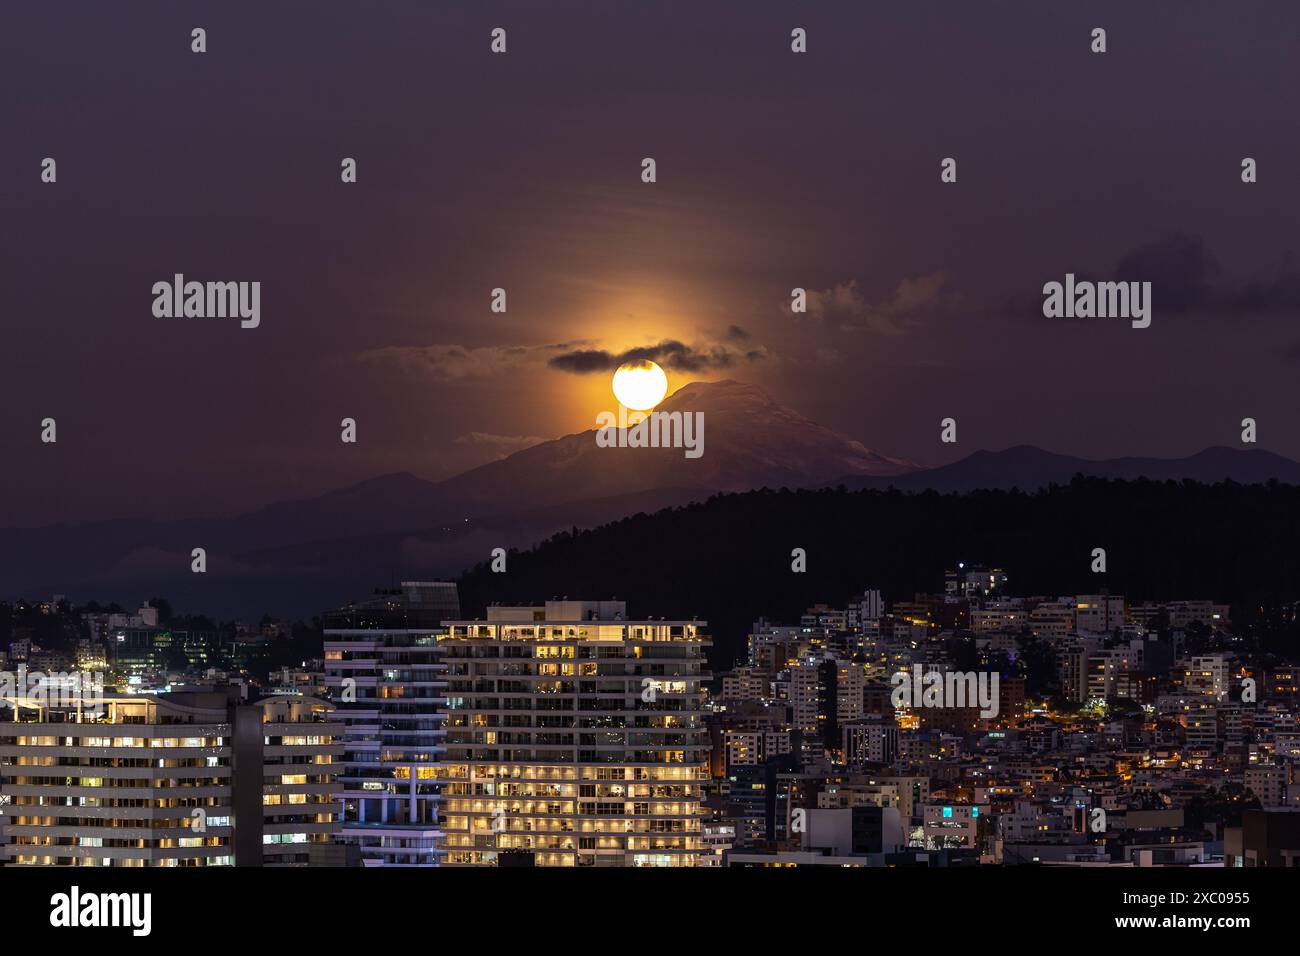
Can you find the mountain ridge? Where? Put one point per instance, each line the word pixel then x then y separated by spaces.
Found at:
pixel 315 552
pixel 1029 467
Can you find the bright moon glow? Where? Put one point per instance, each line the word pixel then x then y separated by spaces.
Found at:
pixel 640 386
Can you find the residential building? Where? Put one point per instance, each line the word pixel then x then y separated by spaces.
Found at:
pixel 575 736
pixel 383 668
pixel 185 779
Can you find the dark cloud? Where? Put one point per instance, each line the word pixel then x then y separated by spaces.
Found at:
pixel 1180 269
pixel 1186 278
pixel 844 307
pixel 1281 293
pixel 671 354
pixel 449 362
pixel 584 361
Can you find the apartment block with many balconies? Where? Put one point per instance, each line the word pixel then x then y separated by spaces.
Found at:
pixel 162 780
pixel 383 668
pixel 575 737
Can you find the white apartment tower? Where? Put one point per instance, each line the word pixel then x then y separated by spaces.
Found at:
pixel 1098 613
pixel 186 779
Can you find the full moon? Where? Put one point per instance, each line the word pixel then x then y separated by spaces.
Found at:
pixel 640 386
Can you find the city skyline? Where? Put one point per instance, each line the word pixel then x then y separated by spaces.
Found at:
pixel 641 442
pixel 1120 733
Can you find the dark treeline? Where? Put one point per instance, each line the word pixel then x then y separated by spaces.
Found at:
pixel 728 560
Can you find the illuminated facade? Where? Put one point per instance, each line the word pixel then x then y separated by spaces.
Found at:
pixel 160 780
pixel 574 738
pixel 383 669
pixel 301 747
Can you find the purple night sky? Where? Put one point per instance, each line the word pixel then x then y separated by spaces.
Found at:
pixel 523 171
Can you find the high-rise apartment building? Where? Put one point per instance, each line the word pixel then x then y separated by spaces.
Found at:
pixel 384 673
pixel 806 699
pixel 746 683
pixel 184 779
pixel 1098 613
pixel 575 737
pixel 973 582
pixel 872 740
pixel 850 688
pixel 1209 674
pixel 868 606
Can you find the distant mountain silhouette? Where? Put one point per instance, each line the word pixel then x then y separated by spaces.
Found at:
pixel 1028 468
pixel 298 557
pixel 308 554
pixel 750 441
